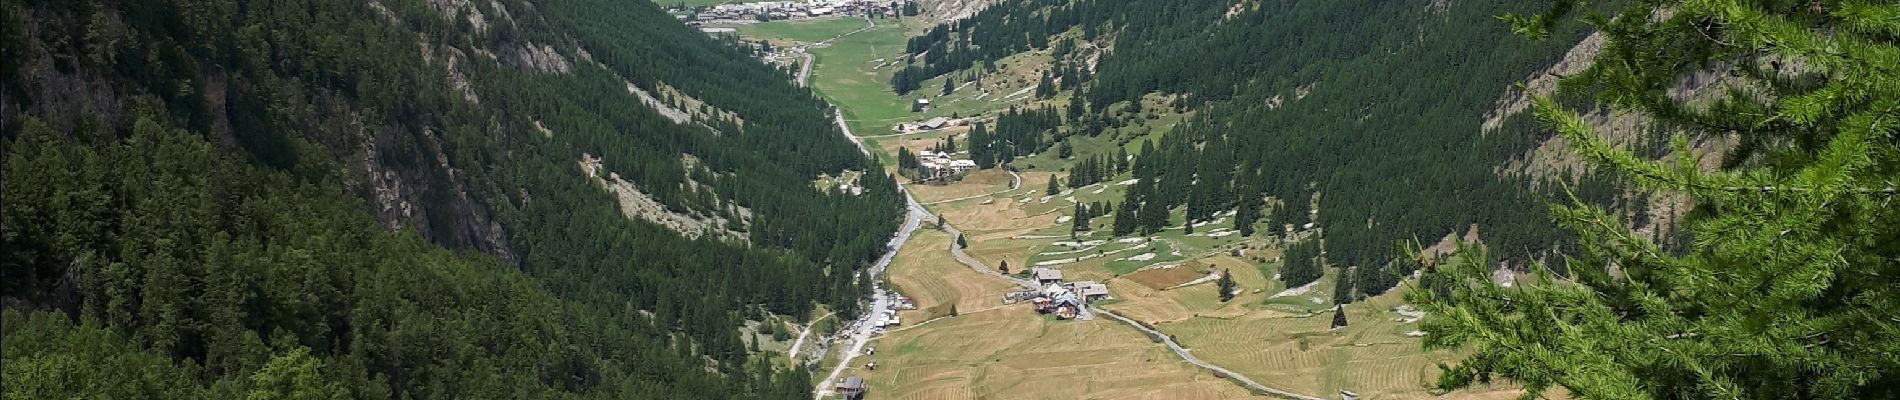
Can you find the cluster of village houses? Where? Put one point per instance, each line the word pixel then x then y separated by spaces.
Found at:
pixel 940 163
pixel 1066 301
pixel 777 10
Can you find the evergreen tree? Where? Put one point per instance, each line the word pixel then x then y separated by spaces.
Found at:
pixel 1339 316
pixel 1125 220
pixel 1246 214
pixel 906 160
pixel 981 151
pixel 948 85
pixel 960 243
pixel 1343 285
pixel 1153 215
pixel 1300 264
pixel 1226 286
pixel 1081 218
pixel 1053 188
pixel 1077 109
pixel 1003 267
pixel 1786 291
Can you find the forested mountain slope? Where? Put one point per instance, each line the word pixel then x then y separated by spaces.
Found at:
pixel 1370 110
pixel 386 199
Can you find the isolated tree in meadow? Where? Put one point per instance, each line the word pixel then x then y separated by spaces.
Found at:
pixel 1053 187
pixel 960 243
pixel 1226 285
pixel 948 86
pixel 1339 316
pixel 1003 267
pixel 1790 287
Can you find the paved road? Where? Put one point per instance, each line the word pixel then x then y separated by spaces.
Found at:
pixel 859 332
pixel 804 69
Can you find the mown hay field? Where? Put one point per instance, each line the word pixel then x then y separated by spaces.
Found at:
pixel 1013 353
pixel 925 271
pixel 1372 356
pixel 974 188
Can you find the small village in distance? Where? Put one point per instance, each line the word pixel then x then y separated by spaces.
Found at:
pixel 739 13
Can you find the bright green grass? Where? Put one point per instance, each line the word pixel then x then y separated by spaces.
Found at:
pixel 811 30
pixel 847 73
pixel 1164 253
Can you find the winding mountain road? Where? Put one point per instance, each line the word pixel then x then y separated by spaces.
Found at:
pixel 859 332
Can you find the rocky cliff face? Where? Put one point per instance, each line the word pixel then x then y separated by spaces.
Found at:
pixel 412 179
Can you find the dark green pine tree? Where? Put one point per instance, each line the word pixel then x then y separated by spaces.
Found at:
pixel 1787 289
pixel 1343 285
pixel 1003 267
pixel 905 160
pixel 1053 187
pixel 1153 215
pixel 1125 220
pixel 1226 285
pixel 1339 316
pixel 960 243
pixel 1077 108
pixel 1247 213
pixel 1081 218
pixel 982 149
pixel 948 86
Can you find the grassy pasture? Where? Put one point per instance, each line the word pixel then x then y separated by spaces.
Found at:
pixel 1012 353
pixel 924 271
pixel 806 30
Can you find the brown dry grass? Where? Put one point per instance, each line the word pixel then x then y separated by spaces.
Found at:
pixel 1012 353
pixel 1371 356
pixel 998 221
pixel 1163 278
pixel 925 271
pixel 976 183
